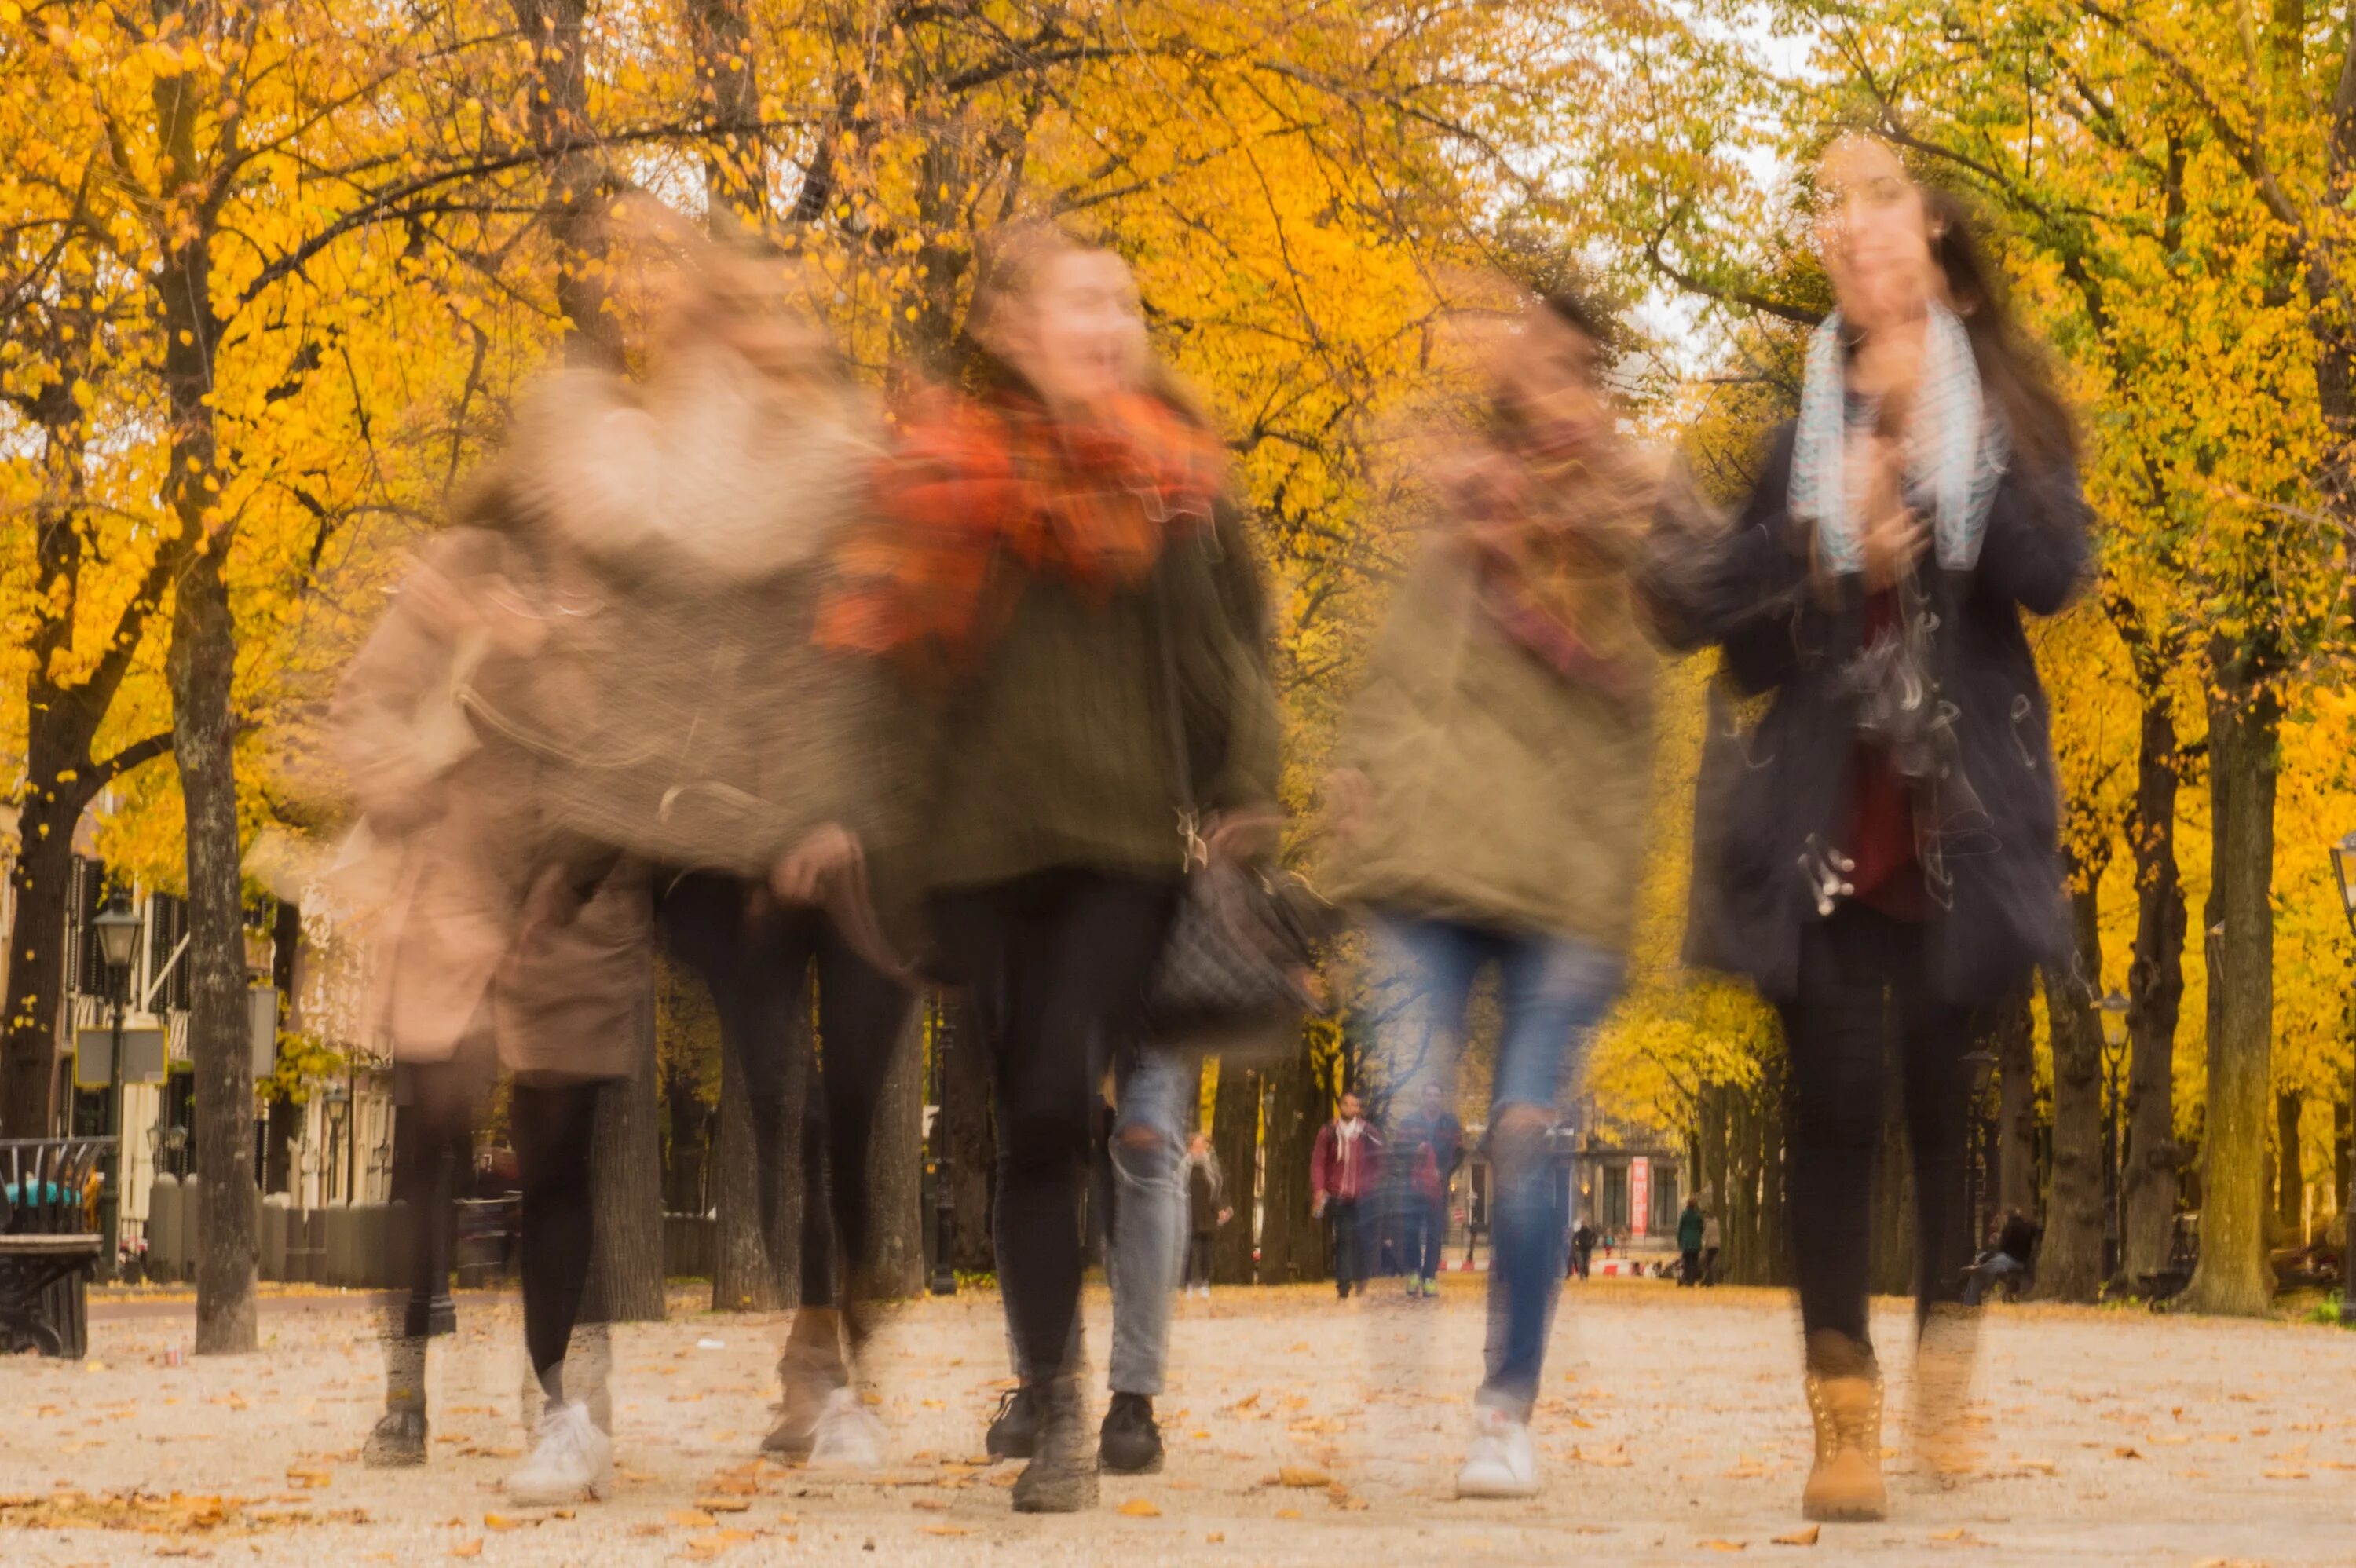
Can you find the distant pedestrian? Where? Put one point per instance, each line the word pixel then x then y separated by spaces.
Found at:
pixel 1709 1244
pixel 1430 1145
pixel 1345 1171
pixel 1582 1248
pixel 1691 1228
pixel 1207 1211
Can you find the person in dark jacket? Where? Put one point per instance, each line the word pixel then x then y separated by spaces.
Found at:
pixel 1881 844
pixel 1207 1210
pixel 1055 562
pixel 1582 1248
pixel 1690 1227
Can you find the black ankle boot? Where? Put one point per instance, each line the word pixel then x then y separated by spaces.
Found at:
pixel 1128 1443
pixel 1015 1430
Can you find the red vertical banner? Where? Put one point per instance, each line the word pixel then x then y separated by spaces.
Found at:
pixel 1640 1196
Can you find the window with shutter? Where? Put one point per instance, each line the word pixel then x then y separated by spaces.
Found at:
pixel 167 925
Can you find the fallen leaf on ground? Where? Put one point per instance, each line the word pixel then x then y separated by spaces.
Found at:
pixel 1140 1508
pixel 689 1519
pixel 1302 1475
pixel 1805 1536
pixel 467 1549
pixel 2280 1474
pixel 722 1504
pixel 942 1529
pixel 1288 1513
pixel 1716 1545
pixel 1214 1538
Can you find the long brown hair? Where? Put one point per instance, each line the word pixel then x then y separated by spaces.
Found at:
pixel 2014 372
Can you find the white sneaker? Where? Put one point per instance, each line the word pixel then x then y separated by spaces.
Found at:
pixel 1503 1462
pixel 848 1436
pixel 570 1459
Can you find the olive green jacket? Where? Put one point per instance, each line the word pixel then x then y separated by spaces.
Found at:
pixel 1055 752
pixel 1501 794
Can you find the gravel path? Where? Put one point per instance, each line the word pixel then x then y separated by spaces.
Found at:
pixel 1671 1432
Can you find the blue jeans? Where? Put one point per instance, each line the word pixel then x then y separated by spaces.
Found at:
pixel 1554 991
pixel 1154 1094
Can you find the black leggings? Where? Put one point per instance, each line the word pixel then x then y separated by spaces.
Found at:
pixel 756 967
pixel 1856 968
pixel 1198 1257
pixel 1057 962
pixel 552 1121
pixel 433 1165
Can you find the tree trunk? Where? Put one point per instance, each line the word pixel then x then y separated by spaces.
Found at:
pixel 895 1166
pixel 2243 718
pixel 203 657
pixel 1234 1135
pixel 43 882
pixel 1293 1246
pixel 1738 1201
pixel 2070 1259
pixel 625 1189
pixel 2155 1000
pixel 972 1136
pixel 1774 1258
pixel 2016 1179
pixel 741 1277
pixel 61 721
pixel 2290 1173
pixel 1893 1190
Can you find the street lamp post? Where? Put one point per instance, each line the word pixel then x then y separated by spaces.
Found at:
pixel 118 933
pixel 2113 1009
pixel 2343 873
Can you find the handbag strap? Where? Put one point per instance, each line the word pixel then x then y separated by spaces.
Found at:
pixel 1190 813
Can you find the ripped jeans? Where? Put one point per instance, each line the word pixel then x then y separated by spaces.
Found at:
pixel 1155 1091
pixel 1553 991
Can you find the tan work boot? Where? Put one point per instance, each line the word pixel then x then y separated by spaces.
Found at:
pixel 1938 1421
pixel 1845 1397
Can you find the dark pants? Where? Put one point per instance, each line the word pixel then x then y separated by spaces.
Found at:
pixel 758 968
pixel 552 1122
pixel 1688 1268
pixel 432 1164
pixel 1057 962
pixel 1710 1265
pixel 1582 1258
pixel 1858 969
pixel 1350 1249
pixel 1424 1232
pixel 1198 1258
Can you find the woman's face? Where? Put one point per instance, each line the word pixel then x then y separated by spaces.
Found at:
pixel 1874 235
pixel 1549 373
pixel 1081 337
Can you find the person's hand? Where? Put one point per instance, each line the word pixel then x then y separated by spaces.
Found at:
pixel 1225 1215
pixel 1891 534
pixel 824 855
pixel 1317 1206
pixel 1245 833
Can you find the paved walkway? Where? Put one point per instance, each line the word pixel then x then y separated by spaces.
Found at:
pixel 1672 1432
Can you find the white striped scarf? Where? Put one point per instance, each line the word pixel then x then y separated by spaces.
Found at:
pixel 1956 451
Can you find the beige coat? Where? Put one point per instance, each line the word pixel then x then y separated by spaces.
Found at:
pixel 452 844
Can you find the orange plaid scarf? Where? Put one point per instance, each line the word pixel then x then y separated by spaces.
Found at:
pixel 1092 499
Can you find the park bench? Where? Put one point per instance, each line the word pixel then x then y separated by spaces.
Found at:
pixel 47 1245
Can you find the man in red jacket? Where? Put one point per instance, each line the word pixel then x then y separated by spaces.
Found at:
pixel 1344 1170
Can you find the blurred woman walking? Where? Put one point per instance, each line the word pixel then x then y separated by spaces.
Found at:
pixel 1490 812
pixel 1878 853
pixel 1052 538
